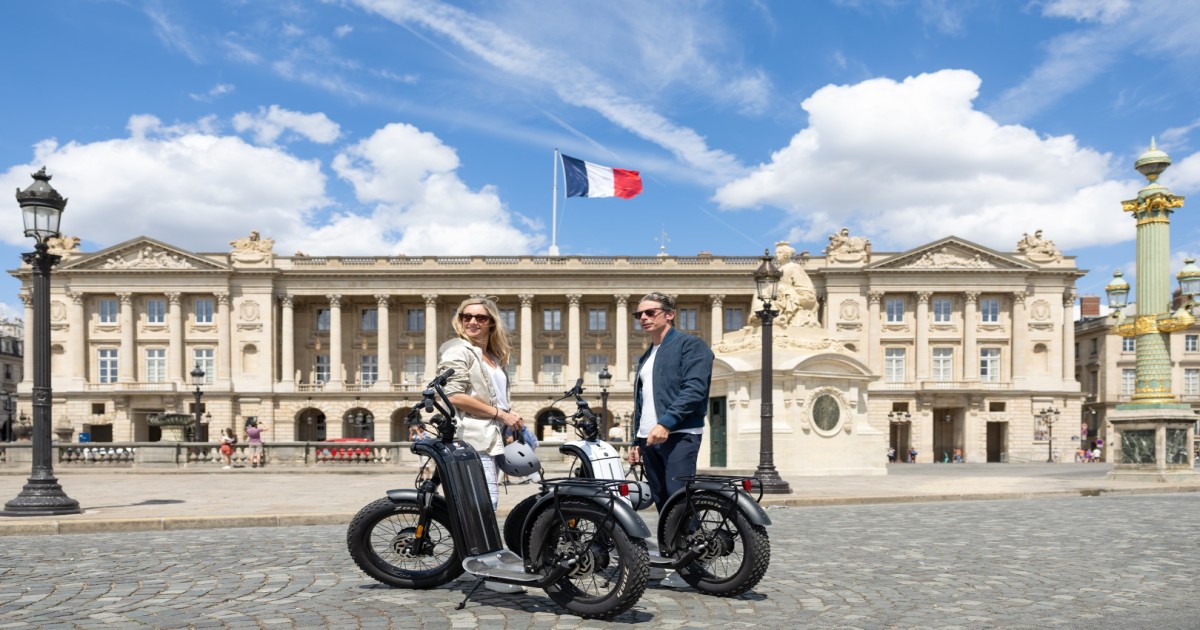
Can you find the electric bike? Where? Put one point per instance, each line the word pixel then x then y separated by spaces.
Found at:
pixel 712 531
pixel 580 543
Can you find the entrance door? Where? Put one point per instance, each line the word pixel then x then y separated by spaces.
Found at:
pixel 899 440
pixel 716 437
pixel 997 435
pixel 943 435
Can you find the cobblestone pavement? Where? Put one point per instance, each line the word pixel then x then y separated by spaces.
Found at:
pixel 1095 562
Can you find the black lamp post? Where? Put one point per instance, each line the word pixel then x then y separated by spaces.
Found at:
pixel 42 209
pixel 767 278
pixel 605 379
pixel 197 380
pixel 1049 416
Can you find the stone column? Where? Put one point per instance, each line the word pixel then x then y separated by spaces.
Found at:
pixel 874 349
pixel 970 326
pixel 175 358
pixel 718 319
pixel 126 360
pixel 77 340
pixel 383 328
pixel 573 370
pixel 922 344
pixel 287 340
pixel 621 375
pixel 1018 340
pixel 336 369
pixel 431 336
pixel 224 375
pixel 1068 337
pixel 525 369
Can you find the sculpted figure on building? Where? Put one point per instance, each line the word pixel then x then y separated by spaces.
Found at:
pixel 1037 248
pixel 796 300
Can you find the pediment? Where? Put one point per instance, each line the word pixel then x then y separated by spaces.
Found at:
pixel 143 254
pixel 951 253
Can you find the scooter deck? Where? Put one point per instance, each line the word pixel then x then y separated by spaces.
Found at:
pixel 506 566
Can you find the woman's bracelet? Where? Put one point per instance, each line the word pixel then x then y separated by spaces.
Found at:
pixel 496 416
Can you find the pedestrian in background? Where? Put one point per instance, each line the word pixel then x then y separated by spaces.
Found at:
pixel 254 442
pixel 228 440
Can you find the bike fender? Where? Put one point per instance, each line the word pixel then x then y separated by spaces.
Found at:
pixel 746 503
pixel 625 516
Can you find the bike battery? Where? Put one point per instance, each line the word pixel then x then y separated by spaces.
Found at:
pixel 467 493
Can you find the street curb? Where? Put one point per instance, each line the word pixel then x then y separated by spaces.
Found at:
pixel 43 526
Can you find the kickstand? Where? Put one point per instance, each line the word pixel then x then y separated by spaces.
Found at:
pixel 463 603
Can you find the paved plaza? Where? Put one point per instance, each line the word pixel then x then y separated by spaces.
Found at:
pixel 1125 561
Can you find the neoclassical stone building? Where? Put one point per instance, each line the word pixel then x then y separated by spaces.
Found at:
pixel 963 342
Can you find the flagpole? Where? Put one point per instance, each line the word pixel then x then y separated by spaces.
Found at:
pixel 554 210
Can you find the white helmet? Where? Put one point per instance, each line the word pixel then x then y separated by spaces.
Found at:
pixel 518 460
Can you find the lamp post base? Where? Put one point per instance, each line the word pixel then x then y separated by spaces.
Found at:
pixel 41 497
pixel 771 482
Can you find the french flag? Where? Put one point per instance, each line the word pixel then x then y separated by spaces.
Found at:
pixel 585 179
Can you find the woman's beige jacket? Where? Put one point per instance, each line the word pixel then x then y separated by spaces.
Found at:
pixel 471 378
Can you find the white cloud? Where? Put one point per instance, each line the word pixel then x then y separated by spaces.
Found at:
pixel 902 160
pixel 171 34
pixel 343 31
pixel 269 124
pixel 215 92
pixel 1104 11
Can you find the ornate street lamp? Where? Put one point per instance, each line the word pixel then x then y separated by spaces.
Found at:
pixel 1049 415
pixel 1154 419
pixel 605 379
pixel 197 380
pixel 42 208
pixel 766 277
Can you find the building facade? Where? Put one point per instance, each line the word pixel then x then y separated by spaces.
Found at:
pixel 327 347
pixel 12 350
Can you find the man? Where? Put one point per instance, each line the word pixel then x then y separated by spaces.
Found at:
pixel 670 398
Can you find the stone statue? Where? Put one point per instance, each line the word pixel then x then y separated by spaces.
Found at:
pixel 64 246
pixel 252 249
pixel 796 299
pixel 1037 248
pixel 845 247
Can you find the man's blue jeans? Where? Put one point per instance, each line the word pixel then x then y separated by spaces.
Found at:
pixel 666 462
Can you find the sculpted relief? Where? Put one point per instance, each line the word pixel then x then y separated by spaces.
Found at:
pixel 252 249
pixel 147 258
pixel 846 248
pixel 1038 249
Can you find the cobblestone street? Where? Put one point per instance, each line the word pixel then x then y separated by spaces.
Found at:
pixel 1096 562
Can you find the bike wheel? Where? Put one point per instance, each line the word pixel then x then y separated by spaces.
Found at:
pixel 737 552
pixel 612 567
pixel 514 525
pixel 381 541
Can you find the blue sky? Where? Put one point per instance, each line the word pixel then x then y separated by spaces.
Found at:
pixel 376 127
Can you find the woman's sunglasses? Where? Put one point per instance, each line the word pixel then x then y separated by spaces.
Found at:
pixel 467 317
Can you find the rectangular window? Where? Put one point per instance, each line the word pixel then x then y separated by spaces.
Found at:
pixel 321 369
pixel 552 319
pixel 508 317
pixel 943 364
pixel 156 365
pixel 109 311
pixel 204 311
pixel 893 365
pixel 552 368
pixel 597 319
pixel 596 364
pixel 370 319
pixel 735 318
pixel 203 357
pixel 942 308
pixel 989 311
pixel 894 307
pixel 1095 345
pixel 685 319
pixel 414 320
pixel 414 368
pixel 108 365
pixel 1129 344
pixel 1191 343
pixel 1129 382
pixel 1191 382
pixel 989 365
pixel 156 311
pixel 323 319
pixel 368 369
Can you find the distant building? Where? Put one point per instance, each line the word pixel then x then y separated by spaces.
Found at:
pixel 12 342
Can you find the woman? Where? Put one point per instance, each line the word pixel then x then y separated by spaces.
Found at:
pixel 254 442
pixel 227 442
pixel 479 387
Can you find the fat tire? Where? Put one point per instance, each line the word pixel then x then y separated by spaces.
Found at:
pixel 756 547
pixel 634 567
pixel 367 557
pixel 515 533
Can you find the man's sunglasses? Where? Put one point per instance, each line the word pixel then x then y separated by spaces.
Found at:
pixel 467 317
pixel 650 312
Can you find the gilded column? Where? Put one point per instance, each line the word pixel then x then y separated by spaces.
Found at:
pixel 336 369
pixel 1019 338
pixel 572 370
pixel 525 368
pixel 383 328
pixel 126 362
pixel 1068 337
pixel 970 327
pixel 175 360
pixel 287 339
pixel 224 339
pixel 621 375
pixel 77 340
pixel 874 332
pixel 922 344
pixel 431 336
pixel 718 321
